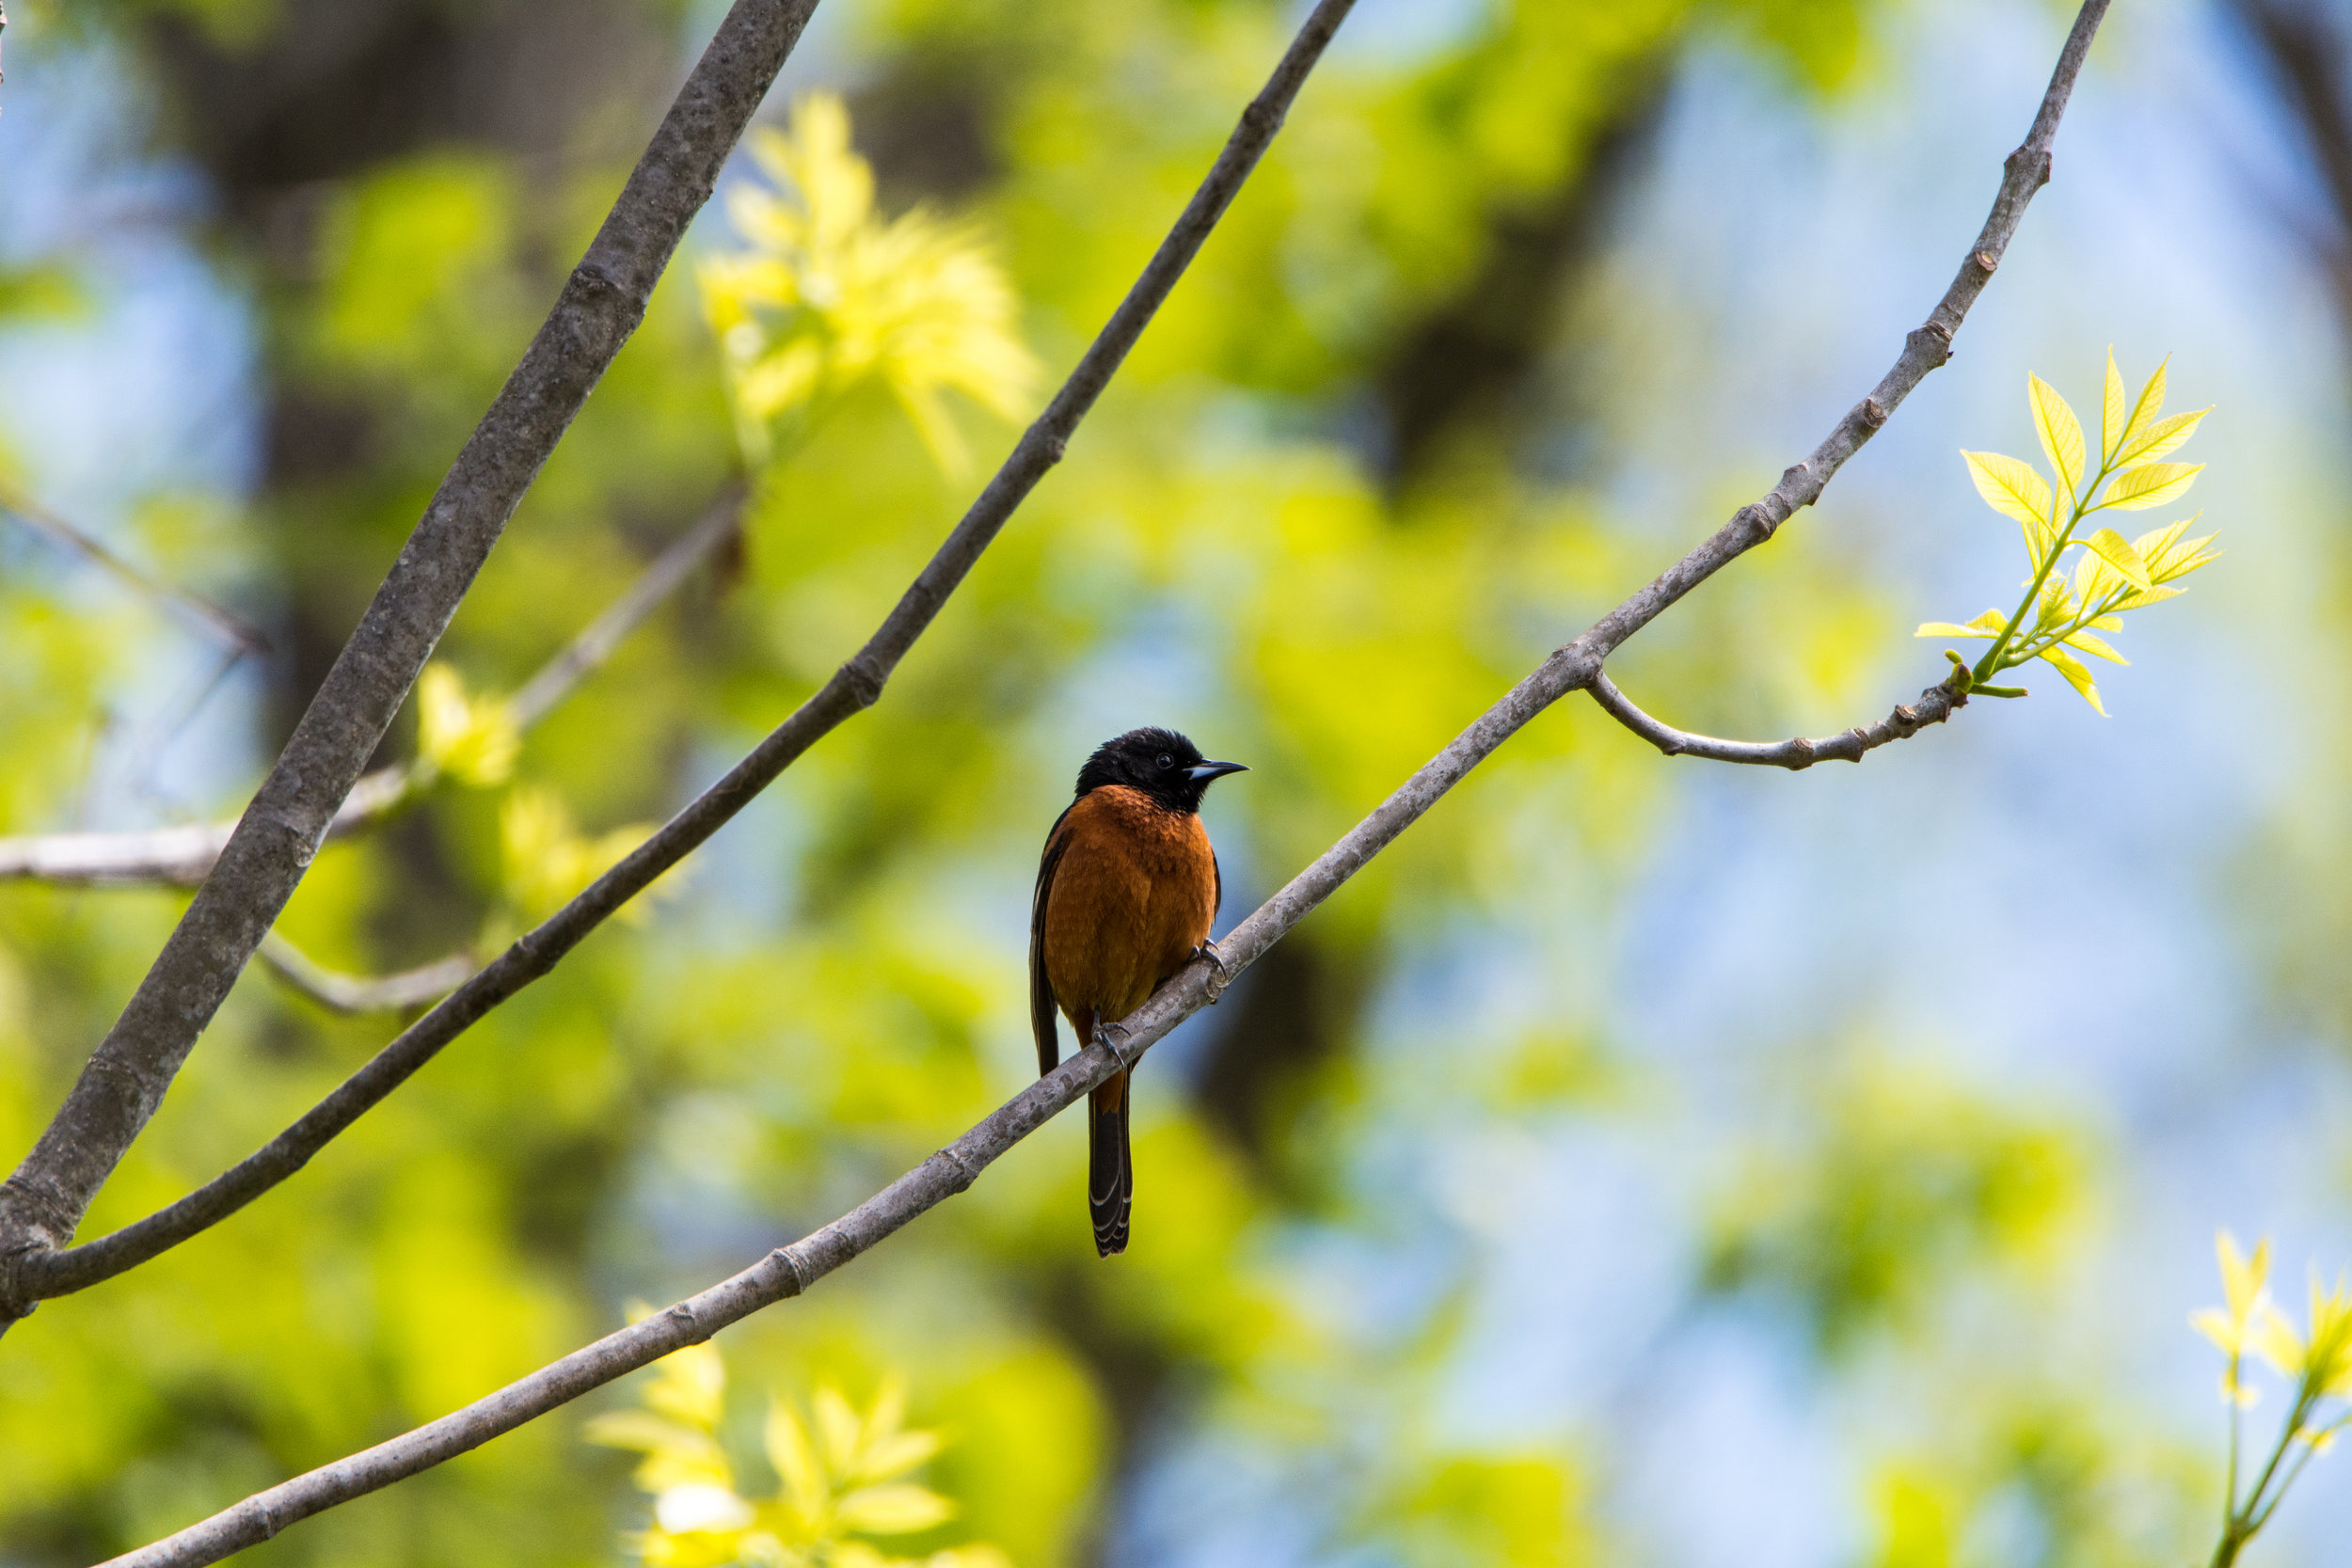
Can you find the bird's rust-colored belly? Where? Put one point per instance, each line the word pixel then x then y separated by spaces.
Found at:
pixel 1132 898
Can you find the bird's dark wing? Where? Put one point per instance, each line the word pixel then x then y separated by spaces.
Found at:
pixel 1217 886
pixel 1042 989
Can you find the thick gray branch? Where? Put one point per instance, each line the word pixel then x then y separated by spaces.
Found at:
pixel 40 1272
pixel 1934 706
pixel 43 1202
pixel 183 855
pixel 353 993
pixel 790 1270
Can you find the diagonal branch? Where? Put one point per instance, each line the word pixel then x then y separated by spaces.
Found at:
pixel 353 993
pixel 790 1270
pixel 35 1273
pixel 721 521
pixel 185 854
pixel 602 302
pixel 1934 706
pixel 240 634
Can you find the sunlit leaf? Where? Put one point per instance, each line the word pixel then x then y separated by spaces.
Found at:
pixel 795 1461
pixel 895 1454
pixel 2151 484
pixel 473 739
pixel 2154 545
pixel 2077 675
pixel 1949 628
pixel 2141 599
pixel 897 1509
pixel 2161 439
pixel 2144 411
pixel 2093 646
pixel 2113 413
pixel 2116 550
pixel 837 1427
pixel 2057 605
pixel 2061 433
pixel 2011 486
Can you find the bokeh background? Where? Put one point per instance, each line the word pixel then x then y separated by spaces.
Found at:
pixel 1642 1162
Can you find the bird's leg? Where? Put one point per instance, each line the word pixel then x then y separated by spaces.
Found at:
pixel 1103 1033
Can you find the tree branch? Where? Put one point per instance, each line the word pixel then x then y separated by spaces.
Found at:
pixel 183 854
pixel 790 1270
pixel 240 634
pixel 352 993
pixel 37 1273
pixel 556 678
pixel 1934 706
pixel 43 1202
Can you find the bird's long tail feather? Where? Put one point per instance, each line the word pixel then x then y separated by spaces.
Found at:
pixel 1110 1169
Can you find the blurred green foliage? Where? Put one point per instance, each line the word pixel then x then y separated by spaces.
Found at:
pixel 1264 534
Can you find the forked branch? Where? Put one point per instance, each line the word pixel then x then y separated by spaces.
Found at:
pixel 790 1270
pixel 1934 706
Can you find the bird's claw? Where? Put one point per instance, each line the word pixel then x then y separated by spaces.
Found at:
pixel 1224 971
pixel 1103 1033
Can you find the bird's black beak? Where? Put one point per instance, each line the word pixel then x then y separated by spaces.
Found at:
pixel 1208 770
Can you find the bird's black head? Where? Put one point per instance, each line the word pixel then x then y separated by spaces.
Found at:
pixel 1161 763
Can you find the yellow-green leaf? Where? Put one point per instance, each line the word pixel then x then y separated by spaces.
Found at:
pixel 2057 606
pixel 1990 624
pixel 2141 599
pixel 895 1454
pixel 795 1461
pixel 2163 437
pixel 2153 545
pixel 899 1509
pixel 2061 433
pixel 2011 486
pixel 2116 550
pixel 473 739
pixel 2094 645
pixel 2144 412
pixel 2151 484
pixel 2113 414
pixel 2077 676
pixel 837 1424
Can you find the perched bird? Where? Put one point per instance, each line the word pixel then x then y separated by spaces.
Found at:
pixel 1125 896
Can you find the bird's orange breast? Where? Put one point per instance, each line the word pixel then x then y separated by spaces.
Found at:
pixel 1132 898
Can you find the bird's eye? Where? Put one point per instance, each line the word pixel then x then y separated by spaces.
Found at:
pixel 1166 761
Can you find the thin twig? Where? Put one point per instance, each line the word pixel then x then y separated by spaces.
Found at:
pixel 182 855
pixel 788 1270
pixel 353 993
pixel 118 1088
pixel 36 1274
pixel 240 634
pixel 1934 706
pixel 596 642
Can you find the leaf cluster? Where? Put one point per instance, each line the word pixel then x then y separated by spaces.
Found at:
pixel 841 1477
pixel 826 294
pixel 2317 1363
pixel 2063 612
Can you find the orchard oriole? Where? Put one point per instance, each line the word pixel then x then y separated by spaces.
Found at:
pixel 1125 896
